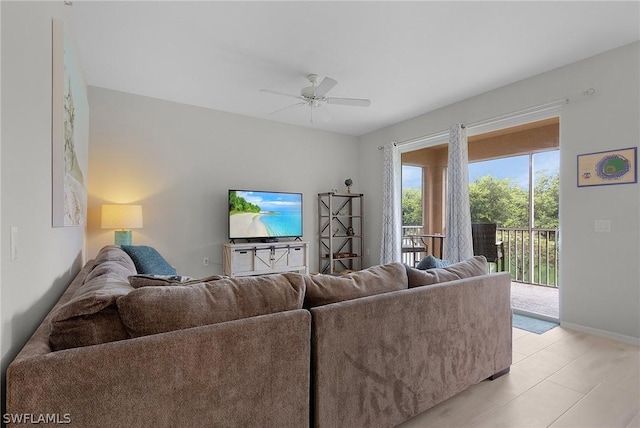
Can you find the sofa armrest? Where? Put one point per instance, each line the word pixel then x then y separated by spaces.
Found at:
pixel 383 359
pixel 249 372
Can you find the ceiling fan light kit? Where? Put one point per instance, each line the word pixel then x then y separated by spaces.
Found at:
pixel 314 95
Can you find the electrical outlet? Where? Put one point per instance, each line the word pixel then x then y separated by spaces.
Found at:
pixel 205 261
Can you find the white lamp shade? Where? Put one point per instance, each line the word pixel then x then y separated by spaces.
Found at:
pixel 121 216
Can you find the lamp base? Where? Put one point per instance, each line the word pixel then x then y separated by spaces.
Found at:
pixel 123 237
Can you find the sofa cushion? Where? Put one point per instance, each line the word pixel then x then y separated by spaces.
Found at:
pixel 431 262
pixel 90 317
pixel 151 310
pixel 110 269
pixel 113 261
pixel 148 260
pixel 138 281
pixel 474 266
pixel 325 289
pixel 113 253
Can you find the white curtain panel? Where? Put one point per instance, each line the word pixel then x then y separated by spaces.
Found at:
pixel 458 245
pixel 391 205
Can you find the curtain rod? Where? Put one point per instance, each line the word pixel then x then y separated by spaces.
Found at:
pixel 496 119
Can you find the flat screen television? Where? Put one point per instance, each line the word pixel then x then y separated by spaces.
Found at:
pixel 264 215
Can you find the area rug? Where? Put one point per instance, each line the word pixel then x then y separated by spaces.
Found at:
pixel 533 325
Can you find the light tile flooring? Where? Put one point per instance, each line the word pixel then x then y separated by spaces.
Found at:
pixel 562 378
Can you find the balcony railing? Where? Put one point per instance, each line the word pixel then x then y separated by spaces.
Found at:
pixel 410 254
pixel 531 255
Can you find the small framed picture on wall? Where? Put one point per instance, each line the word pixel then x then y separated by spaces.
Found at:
pixel 606 168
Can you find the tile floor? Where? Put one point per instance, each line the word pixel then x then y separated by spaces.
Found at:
pixel 562 378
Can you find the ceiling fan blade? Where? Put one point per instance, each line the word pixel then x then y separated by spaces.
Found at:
pixel 325 86
pixel 349 101
pixel 269 91
pixel 288 107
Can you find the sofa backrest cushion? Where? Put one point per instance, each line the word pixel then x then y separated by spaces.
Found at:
pixel 152 310
pixel 91 317
pixel 114 253
pixel 325 289
pixel 475 266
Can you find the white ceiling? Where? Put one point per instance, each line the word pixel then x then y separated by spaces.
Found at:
pixel 407 57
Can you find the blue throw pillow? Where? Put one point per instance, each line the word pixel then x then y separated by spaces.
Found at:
pixel 148 261
pixel 431 262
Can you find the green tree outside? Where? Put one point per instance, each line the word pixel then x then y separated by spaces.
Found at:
pixel 546 197
pixel 502 201
pixel 411 207
pixel 499 201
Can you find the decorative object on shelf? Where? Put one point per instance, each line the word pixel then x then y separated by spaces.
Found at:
pixel 610 167
pixel 344 255
pixel 124 218
pixel 348 182
pixel 350 231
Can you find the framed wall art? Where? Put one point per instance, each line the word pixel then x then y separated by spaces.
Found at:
pixel 606 168
pixel 70 133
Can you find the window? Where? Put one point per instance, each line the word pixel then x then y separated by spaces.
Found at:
pixel 412 197
pixel 499 190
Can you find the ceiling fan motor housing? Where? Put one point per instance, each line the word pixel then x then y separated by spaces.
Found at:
pixel 309 92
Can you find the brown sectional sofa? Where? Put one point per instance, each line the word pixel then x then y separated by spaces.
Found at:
pixel 370 349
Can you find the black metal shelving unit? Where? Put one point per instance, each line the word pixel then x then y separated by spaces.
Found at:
pixel 340 232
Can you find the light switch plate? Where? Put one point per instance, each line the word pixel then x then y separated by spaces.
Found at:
pixel 14 243
pixel 602 226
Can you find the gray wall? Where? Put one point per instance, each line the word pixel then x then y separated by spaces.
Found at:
pixel 599 273
pixel 179 161
pixel 48 258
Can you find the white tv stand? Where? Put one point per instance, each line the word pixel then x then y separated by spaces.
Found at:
pixel 254 258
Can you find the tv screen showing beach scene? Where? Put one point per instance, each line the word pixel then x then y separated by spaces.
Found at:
pixel 256 214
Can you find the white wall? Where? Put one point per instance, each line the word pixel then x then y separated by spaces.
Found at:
pixel 2 389
pixel 599 275
pixel 179 161
pixel 48 258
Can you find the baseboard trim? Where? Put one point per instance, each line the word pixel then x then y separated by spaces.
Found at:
pixel 602 333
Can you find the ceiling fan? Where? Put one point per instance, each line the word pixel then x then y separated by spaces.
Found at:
pixel 314 96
